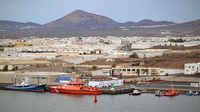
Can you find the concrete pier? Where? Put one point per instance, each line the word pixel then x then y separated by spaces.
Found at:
pixel 117 90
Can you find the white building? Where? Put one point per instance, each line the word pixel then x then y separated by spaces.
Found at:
pixel 142 45
pixel 136 71
pixel 192 68
pixel 145 71
pixel 170 44
pixel 148 53
pixel 165 71
pixel 106 83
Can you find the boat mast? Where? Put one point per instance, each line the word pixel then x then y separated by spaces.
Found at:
pixel 38 79
pixel 15 78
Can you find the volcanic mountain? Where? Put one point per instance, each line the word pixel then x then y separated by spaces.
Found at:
pixel 81 20
pixel 148 22
pixel 82 23
pixel 187 28
pixel 12 25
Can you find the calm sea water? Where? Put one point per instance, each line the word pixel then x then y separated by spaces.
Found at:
pixel 12 101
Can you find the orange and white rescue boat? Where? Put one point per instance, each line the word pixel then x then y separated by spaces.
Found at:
pixel 75 87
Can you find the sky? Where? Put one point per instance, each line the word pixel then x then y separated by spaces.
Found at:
pixel 44 11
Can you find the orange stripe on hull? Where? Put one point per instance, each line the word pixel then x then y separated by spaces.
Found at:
pixel 85 91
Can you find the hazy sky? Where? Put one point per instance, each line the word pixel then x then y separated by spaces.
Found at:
pixel 43 11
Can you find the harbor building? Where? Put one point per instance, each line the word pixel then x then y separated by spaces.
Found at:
pixel 192 68
pixel 144 71
pixel 136 71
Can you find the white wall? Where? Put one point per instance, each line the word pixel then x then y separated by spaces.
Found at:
pixel 192 68
pixel 143 45
pixel 106 83
pixel 171 71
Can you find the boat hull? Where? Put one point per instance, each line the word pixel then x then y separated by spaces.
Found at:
pixel 171 93
pixel 191 94
pixel 135 94
pixel 31 88
pixel 83 92
pixel 57 90
pixel 159 95
pixel 75 90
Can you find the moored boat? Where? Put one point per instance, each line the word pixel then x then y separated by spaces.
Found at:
pixel 26 86
pixel 75 87
pixel 171 91
pixel 158 93
pixel 135 92
pixel 191 93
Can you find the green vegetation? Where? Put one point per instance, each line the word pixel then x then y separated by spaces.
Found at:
pixel 138 72
pixel 113 66
pixel 15 68
pixel 176 40
pixel 94 68
pixel 146 71
pixel 156 78
pixel 134 55
pixel 73 68
pixel 5 68
pixel 10 45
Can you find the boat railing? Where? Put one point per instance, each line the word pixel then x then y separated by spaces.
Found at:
pixel 25 82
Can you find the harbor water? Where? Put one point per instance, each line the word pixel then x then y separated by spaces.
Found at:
pixel 13 101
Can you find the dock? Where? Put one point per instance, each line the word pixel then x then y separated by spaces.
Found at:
pixel 117 90
pixel 2 85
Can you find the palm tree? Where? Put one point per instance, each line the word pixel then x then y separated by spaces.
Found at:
pixel 146 71
pixel 94 68
pixel 134 55
pixel 5 68
pixel 138 72
pixel 73 68
pixel 113 65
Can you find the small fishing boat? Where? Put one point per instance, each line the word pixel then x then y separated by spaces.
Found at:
pixel 75 87
pixel 158 93
pixel 191 93
pixel 135 92
pixel 171 91
pixel 26 86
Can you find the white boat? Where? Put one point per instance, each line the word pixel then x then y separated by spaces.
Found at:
pixel 158 93
pixel 135 92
